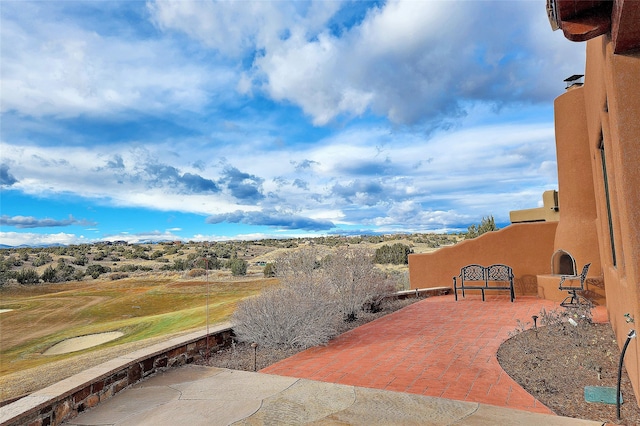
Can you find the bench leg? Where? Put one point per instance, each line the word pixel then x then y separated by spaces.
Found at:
pixel 455 289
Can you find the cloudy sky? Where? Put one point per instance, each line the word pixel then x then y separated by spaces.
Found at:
pixel 204 120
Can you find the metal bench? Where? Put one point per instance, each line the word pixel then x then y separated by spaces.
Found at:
pixel 478 277
pixel 573 299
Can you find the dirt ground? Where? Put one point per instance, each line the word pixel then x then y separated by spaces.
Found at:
pixel 554 363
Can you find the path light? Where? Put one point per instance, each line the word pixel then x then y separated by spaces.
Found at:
pixel 630 336
pixel 535 324
pixel 254 345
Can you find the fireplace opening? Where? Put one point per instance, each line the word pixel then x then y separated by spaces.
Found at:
pixel 562 263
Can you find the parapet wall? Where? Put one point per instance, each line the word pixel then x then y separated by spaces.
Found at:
pixel 64 400
pixel 525 247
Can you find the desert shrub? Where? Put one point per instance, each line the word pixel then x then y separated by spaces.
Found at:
pixel 487 224
pixel 128 268
pixel 96 270
pixel 62 272
pixel 14 261
pixel 180 265
pixel 397 254
pixel 354 282
pixel 207 262
pixel 238 266
pixel 42 259
pixel 269 270
pixel 27 276
pixel 65 272
pixel 80 260
pixel 300 322
pixel 78 275
pixel 197 272
pixel 5 276
pixel 99 256
pixel 170 250
pixel 49 275
pixel 313 299
pixel 118 276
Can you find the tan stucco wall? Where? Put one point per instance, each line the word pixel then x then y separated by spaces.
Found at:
pixel 526 247
pixel 612 103
pixel 547 213
pixel 576 233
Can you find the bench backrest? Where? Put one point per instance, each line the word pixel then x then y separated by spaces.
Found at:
pixel 499 272
pixel 472 273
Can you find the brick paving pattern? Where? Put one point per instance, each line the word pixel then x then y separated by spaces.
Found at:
pixel 435 347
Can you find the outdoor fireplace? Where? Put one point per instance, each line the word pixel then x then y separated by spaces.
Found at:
pixel 562 263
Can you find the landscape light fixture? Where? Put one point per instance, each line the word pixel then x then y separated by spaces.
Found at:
pixel 254 345
pixel 631 335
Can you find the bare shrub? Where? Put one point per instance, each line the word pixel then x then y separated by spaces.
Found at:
pixel 118 276
pixel 297 265
pixel 299 313
pixel 354 281
pixel 573 322
pixel 314 298
pixel 197 272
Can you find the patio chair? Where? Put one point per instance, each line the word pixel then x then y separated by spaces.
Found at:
pixel 573 299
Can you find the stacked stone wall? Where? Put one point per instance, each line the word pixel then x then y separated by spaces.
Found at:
pixel 66 399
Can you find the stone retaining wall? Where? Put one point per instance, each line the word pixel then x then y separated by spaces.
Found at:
pixel 65 399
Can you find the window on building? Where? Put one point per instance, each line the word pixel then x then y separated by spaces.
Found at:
pixel 607 199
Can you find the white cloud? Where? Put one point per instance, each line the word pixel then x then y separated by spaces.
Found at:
pixel 33 239
pixel 410 61
pixel 361 175
pixel 57 68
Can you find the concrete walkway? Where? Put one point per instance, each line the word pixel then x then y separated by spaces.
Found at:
pixel 196 395
pixel 440 354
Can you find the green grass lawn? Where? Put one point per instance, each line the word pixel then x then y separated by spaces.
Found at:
pixel 46 314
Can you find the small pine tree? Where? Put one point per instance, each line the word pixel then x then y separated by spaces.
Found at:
pixel 487 224
pixel 238 267
pixel 397 254
pixel 269 270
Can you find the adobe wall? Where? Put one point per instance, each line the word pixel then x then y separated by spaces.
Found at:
pixel 577 232
pixel 526 247
pixel 612 102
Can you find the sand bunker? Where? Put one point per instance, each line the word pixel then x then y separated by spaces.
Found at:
pixel 5 310
pixel 82 342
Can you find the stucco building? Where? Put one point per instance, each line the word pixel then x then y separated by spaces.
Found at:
pixel 598 201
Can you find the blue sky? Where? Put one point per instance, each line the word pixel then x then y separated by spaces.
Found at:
pixel 203 120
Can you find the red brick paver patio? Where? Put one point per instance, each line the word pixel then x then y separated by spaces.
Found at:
pixel 434 347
